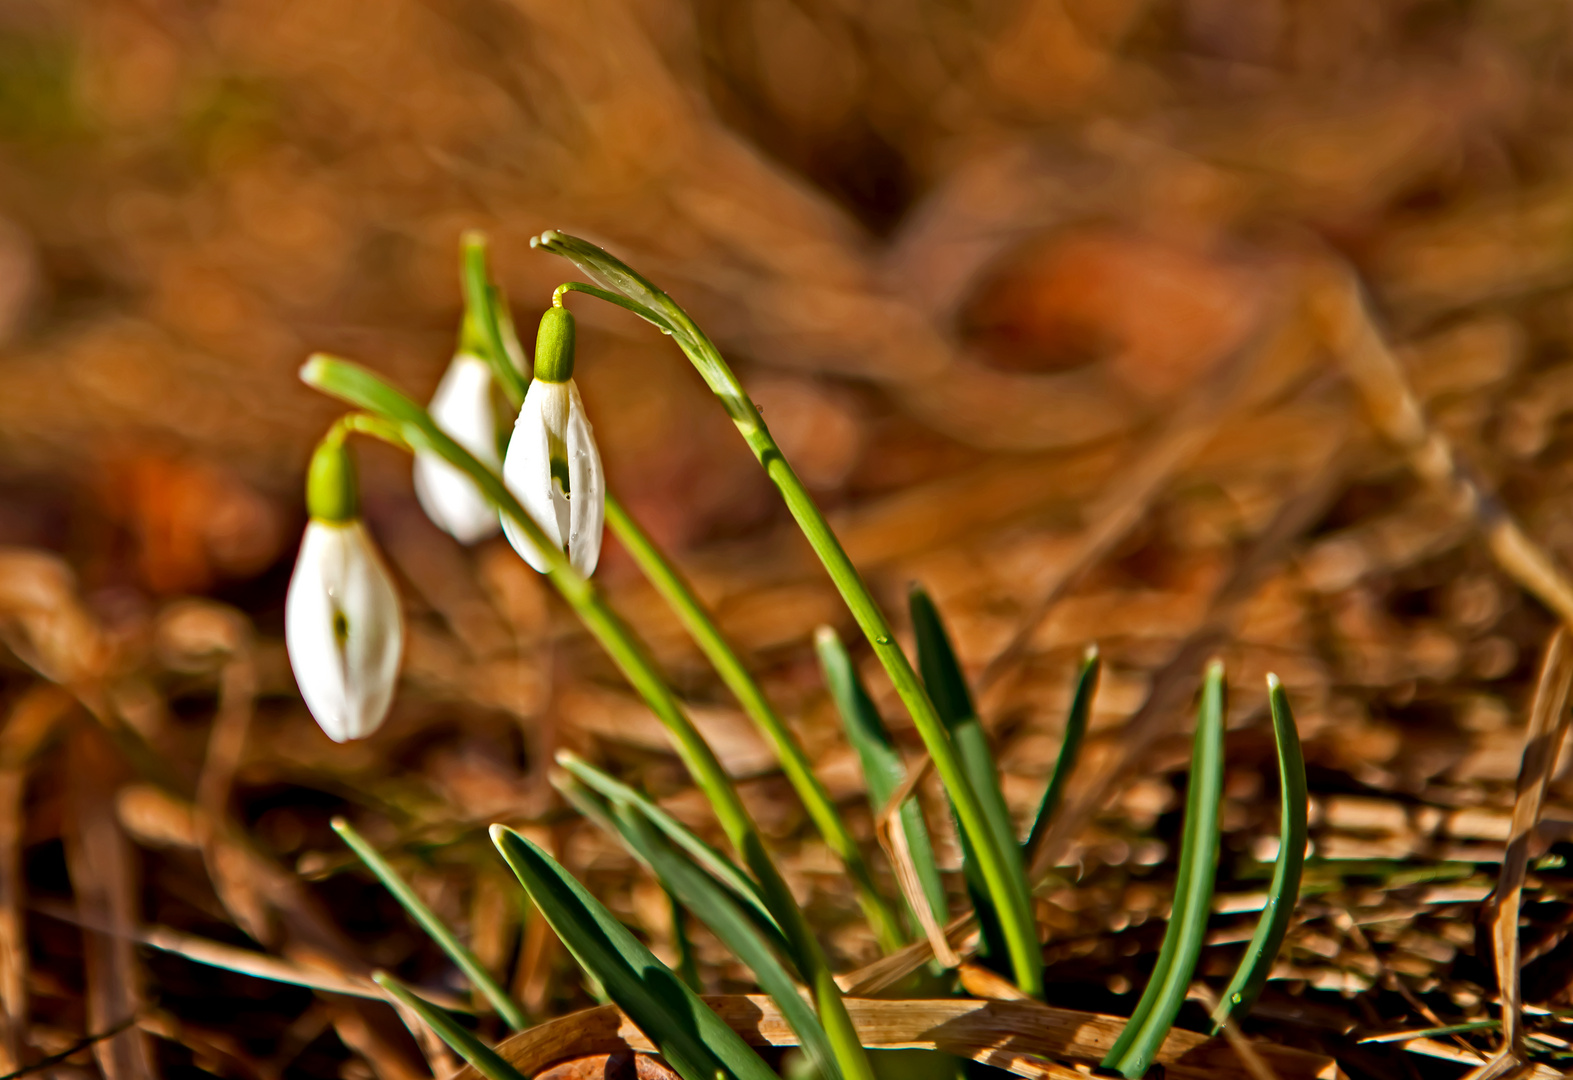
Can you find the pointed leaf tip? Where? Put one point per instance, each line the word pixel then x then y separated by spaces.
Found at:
pixel 311 371
pixel 1273 682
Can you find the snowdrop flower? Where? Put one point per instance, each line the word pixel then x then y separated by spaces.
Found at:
pixel 342 622
pixel 462 408
pixel 553 467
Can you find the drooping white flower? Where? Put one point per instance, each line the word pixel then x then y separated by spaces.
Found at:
pixel 342 623
pixel 553 466
pixel 552 443
pixel 462 408
pixel 343 628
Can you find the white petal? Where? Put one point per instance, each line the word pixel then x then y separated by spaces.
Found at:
pixel 527 470
pixel 587 485
pixel 462 408
pixel 347 677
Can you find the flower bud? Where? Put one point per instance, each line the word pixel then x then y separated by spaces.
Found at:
pixel 462 408
pixel 342 623
pixel 553 466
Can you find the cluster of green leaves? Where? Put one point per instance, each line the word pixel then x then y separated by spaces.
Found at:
pixel 746 903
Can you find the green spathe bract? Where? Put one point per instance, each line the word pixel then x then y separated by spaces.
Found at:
pixel 554 346
pixel 693 1039
pixel 332 488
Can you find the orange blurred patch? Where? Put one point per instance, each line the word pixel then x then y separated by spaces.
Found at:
pixel 192 521
pixel 1157 314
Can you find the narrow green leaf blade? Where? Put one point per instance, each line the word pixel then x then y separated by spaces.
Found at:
pixel 428 921
pixel 692 1038
pixel 687 961
pixel 1138 1042
pixel 701 895
pixel 599 808
pixel 1070 750
pixel 487 1061
pixel 883 770
pixel 947 687
pixel 741 885
pixel 795 764
pixel 1284 892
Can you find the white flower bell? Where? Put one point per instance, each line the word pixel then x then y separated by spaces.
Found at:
pixel 342 622
pixel 553 467
pixel 462 408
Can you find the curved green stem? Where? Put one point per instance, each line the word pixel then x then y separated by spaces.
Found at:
pixel 362 389
pixel 669 582
pixel 1014 909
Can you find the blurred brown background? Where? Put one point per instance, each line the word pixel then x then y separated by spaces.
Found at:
pixel 1054 303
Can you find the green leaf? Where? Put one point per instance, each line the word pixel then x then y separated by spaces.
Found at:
pixel 687 960
pixel 947 687
pixel 1132 1053
pixel 596 804
pixel 466 960
pixel 717 910
pixel 742 886
pixel 1070 749
pixel 486 1060
pixel 795 764
pixel 883 770
pixel 1020 932
pixel 1284 892
pixel 692 1038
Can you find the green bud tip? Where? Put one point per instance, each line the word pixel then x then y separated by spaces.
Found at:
pixel 332 492
pixel 554 346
